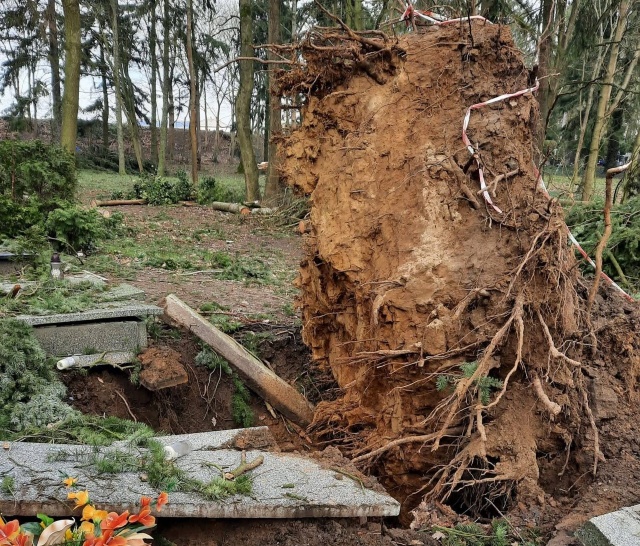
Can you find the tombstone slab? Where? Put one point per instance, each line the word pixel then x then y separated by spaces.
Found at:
pixel 92 337
pixel 101 312
pixel 284 486
pixel 620 528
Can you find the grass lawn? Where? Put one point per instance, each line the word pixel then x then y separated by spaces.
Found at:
pixel 102 184
pixel 559 184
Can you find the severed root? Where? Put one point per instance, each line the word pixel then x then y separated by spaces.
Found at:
pixel 423 438
pixel 243 467
pixel 553 408
pixel 597 454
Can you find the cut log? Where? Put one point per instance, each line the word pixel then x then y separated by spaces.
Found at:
pixel 228 207
pixel 240 208
pixel 257 376
pixel 117 202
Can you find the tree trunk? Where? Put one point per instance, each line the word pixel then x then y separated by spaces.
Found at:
pixel 166 82
pixel 273 188
pixel 154 79
pixel 130 110
pixel 589 178
pixel 71 97
pixel 171 140
pixel 243 103
pixel 105 93
pixel 54 64
pixel 122 168
pixel 544 66
pixel 193 106
pixel 584 120
pixel 613 138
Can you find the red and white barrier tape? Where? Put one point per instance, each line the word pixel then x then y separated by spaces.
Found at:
pixel 439 20
pixel 473 151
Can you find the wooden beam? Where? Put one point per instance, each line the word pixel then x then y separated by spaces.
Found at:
pixel 253 372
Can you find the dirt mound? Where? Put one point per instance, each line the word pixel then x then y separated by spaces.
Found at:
pixel 458 334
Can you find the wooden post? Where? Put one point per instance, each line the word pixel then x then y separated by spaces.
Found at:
pixel 257 376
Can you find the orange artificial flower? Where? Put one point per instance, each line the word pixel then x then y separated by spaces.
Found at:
pixel 89 513
pixel 144 517
pixel 23 539
pixel 70 482
pixel 106 539
pixel 87 528
pixel 163 498
pixel 81 498
pixel 114 521
pixel 8 531
pixel 145 501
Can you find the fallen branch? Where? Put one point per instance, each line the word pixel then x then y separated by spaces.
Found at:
pixel 117 202
pixel 608 200
pixel 258 377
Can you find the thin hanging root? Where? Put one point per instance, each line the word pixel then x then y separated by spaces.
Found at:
pixel 483 367
pixel 597 454
pixel 531 252
pixel 520 324
pixel 552 347
pixel 553 408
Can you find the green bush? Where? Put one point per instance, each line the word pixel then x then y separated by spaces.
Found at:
pixel 30 393
pixel 162 191
pixel 75 228
pixel 30 168
pixel 622 254
pixel 210 190
pixel 183 187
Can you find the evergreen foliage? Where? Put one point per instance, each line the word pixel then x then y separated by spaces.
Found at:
pixel 31 169
pixel 586 222
pixel 485 384
pixel 30 394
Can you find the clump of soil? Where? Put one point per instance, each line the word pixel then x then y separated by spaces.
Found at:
pixel 471 369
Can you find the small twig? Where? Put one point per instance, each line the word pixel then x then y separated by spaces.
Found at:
pixel 127 404
pixel 348 475
pixel 243 467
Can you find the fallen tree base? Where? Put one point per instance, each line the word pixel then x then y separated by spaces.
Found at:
pixel 459 331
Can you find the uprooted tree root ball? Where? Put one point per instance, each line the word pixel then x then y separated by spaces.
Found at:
pixel 469 365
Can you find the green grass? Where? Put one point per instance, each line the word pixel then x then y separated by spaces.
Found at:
pixel 558 182
pixel 102 184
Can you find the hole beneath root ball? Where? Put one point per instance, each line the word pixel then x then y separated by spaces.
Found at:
pixel 477 496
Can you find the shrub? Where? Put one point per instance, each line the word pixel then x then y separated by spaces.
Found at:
pixel 622 255
pixel 161 191
pixel 30 168
pixel 75 227
pixel 30 394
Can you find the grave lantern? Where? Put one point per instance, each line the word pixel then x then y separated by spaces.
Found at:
pixel 57 273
